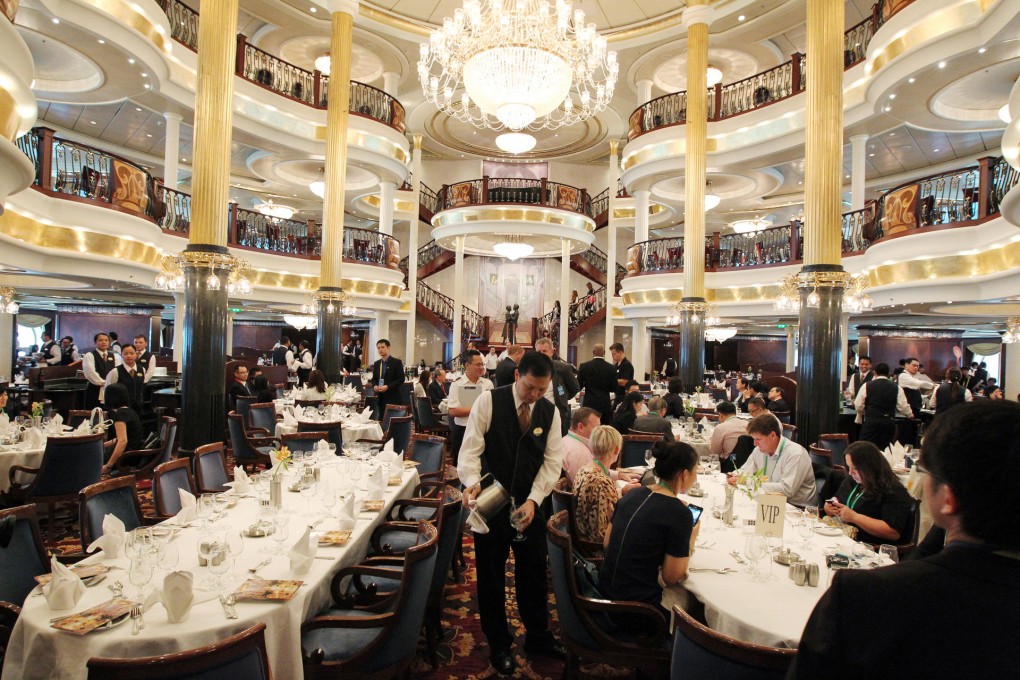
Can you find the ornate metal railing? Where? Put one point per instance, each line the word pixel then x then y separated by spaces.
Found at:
pixel 856 224
pixel 428 252
pixel 587 307
pixel 494 190
pixel 428 199
pixel 472 323
pixel 761 89
pixel 371 247
pixel 177 211
pixel 282 77
pixel 600 203
pixel 596 258
pixel 769 246
pixel 1004 178
pixel 254 230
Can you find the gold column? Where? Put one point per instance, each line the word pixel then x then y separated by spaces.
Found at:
pixel 214 98
pixel 611 234
pixel 336 149
pixel 696 18
pixel 414 224
pixel 824 126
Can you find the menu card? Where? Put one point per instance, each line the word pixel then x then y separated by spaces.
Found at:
pixel 82 571
pixel 334 538
pixel 91 619
pixel 266 589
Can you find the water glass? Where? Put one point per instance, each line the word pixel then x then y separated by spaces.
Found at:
pixel 281 534
pixel 755 548
pixel 235 546
pixel 889 551
pixel 140 573
pixel 167 557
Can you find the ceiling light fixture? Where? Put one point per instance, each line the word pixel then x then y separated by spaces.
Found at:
pixel 516 142
pixel 1012 334
pixel 7 303
pixel 713 76
pixel 1004 114
pixel 522 64
pixel 323 63
pixel 318 187
pixel 513 247
pixel 711 200
pixel 275 210
pixel 750 226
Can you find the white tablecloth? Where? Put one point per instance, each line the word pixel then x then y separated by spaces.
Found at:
pixel 699 443
pixel 350 432
pixel 772 613
pixel 37 651
pixel 15 455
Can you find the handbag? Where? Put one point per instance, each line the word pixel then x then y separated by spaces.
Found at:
pixel 586 573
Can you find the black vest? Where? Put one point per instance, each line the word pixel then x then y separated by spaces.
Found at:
pixel 506 447
pixel 46 349
pixel 880 402
pixel 66 355
pixel 303 373
pixel 944 397
pixel 860 383
pixel 135 388
pixel 914 399
pixel 103 368
pixel 670 367
pixel 280 356
pixel 143 360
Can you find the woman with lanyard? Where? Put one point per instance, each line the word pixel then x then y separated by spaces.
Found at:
pixel 594 487
pixel 651 537
pixel 872 497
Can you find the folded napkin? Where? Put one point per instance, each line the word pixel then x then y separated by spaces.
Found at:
pixel 112 540
pixel 5 424
pixel 241 484
pixel 377 482
pixel 476 523
pixel 177 596
pixel 289 419
pixel 189 510
pixel 65 588
pixel 34 438
pixel 303 553
pixel 390 460
pixel 334 412
pixel 83 428
pixel 894 454
pixel 322 447
pixel 56 424
pixel 348 513
pixel 703 422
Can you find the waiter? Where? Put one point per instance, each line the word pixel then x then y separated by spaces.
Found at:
pixel 68 351
pixel 130 375
pixel 283 354
pixel 96 365
pixel 514 435
pixel 50 351
pixel 387 376
pixel 145 359
pixel 303 362
pixel 862 375
pixel 878 402
pixel 464 393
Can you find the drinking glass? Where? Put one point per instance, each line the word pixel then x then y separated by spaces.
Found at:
pixel 281 534
pixel 138 541
pixel 515 517
pixel 354 470
pixel 222 500
pixel 167 557
pixel 308 492
pixel 235 546
pixel 649 458
pixel 218 563
pixel 806 529
pixel 889 551
pixel 755 548
pixel 140 573
pixel 327 496
pixel 210 549
pixel 206 505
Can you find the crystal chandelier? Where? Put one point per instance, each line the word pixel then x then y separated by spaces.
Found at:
pixel 275 210
pixel 518 64
pixel 855 300
pixel 1012 334
pixel 713 76
pixel 513 247
pixel 720 334
pixel 697 309
pixel 7 303
pixel 318 187
pixel 301 321
pixel 323 63
pixel 171 276
pixel 750 226
pixel 336 300
pixel 515 142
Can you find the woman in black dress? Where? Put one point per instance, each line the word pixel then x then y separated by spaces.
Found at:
pixel 129 435
pixel 628 412
pixel 872 498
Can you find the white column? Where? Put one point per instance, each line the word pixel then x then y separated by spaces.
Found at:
pixel 791 349
pixel 642 199
pixel 858 147
pixel 8 322
pixel 844 339
pixel 391 82
pixel 564 341
pixel 380 329
pixel 179 330
pixel 171 149
pixel 412 251
pixel 1011 370
pixel 386 193
pixel 230 333
pixel 611 228
pixel 458 297
pixel 640 349
pixel 644 91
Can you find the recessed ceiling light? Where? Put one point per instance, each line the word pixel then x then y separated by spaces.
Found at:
pixel 131 61
pixel 55 20
pixel 313 10
pixel 847 177
pixel 741 17
pixel 147 86
pixel 911 80
pixel 870 155
pixel 148 135
pixel 144 74
pixel 101 41
pixel 936 150
pixel 138 109
pixel 942 64
pixel 892 134
pixel 92 122
pixel 887 109
pixel 892 96
pixel 982 50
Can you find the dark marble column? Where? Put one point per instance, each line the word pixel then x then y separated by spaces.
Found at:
pixel 692 347
pixel 203 384
pixel 329 338
pixel 818 371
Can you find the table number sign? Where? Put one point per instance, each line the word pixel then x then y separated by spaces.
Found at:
pixel 770 515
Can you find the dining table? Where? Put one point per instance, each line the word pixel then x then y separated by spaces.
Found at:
pixel 25 454
pixel 350 431
pixel 37 651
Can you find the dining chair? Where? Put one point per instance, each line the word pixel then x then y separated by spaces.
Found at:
pixel 263 420
pixel 249 451
pixel 700 652
pixel 304 442
pixel 906 546
pixel 333 430
pixel 427 420
pixel 210 469
pixel 586 621
pixel 392 410
pixel 9 613
pixel 373 639
pixel 820 456
pixel 371 401
pixel 22 553
pixel 355 382
pixel 635 446
pixel 118 497
pixel 239 656
pixel 305 403
pixel 590 549
pixel 784 416
pixel 76 417
pixel 789 431
pixel 836 443
pixel 142 462
pixel 430 454
pixel 242 405
pixel 167 482
pixel 399 431
pixel 562 495
pixel 68 465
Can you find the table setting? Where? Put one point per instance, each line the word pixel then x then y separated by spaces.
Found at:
pixel 224 563
pixel 355 424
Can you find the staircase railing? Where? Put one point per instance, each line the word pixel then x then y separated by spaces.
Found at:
pixel 473 324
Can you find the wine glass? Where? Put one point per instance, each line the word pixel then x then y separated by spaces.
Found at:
pixel 515 521
pixel 281 534
pixel 222 500
pixel 889 551
pixel 806 529
pixel 206 505
pixel 218 564
pixel 210 549
pixel 354 470
pixel 235 546
pixel 140 573
pixel 308 485
pixel 327 496
pixel 755 548
pixel 649 458
pixel 167 557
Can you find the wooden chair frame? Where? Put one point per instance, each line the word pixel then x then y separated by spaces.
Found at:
pixel 151 457
pixel 204 450
pixel 158 500
pixel 772 659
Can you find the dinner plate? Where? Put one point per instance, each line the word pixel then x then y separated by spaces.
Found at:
pixel 828 531
pixel 113 623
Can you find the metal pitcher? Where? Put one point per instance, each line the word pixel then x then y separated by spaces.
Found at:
pixel 491 500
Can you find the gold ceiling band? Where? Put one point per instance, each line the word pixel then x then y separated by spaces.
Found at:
pixel 369 142
pixel 550 215
pixel 759 293
pixel 671 148
pixel 125 12
pixel 630 213
pixel 933 26
pixel 398 205
pixel 10 119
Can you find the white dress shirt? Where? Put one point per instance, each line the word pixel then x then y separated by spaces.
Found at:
pixel 88 368
pixel 52 358
pixel 918 382
pixel 491 362
pixel 469 465
pixel 788 470
pixel 112 376
pixel 304 361
pixel 464 394
pixel 902 406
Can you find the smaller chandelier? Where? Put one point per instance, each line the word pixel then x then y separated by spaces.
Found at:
pixel 7 303
pixel 855 300
pixel 711 200
pixel 301 321
pixel 276 210
pixel 515 142
pixel 720 334
pixel 713 76
pixel 1004 114
pixel 1012 334
pixel 698 310
pixel 171 276
pixel 513 247
pixel 318 187
pixel 336 300
pixel 323 63
pixel 750 226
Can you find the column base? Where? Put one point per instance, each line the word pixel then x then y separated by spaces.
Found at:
pixel 329 356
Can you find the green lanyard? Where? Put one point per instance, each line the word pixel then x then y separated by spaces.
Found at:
pixel 599 463
pixel 851 500
pixel 665 485
pixel 781 445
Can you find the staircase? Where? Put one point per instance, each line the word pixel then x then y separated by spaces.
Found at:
pixel 438 309
pixel 584 315
pixel 592 264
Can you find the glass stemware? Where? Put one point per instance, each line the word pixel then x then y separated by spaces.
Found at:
pixel 890 552
pixel 235 546
pixel 140 573
pixel 281 534
pixel 755 548
pixel 515 521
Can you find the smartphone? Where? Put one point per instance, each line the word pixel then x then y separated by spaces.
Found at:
pixel 696 511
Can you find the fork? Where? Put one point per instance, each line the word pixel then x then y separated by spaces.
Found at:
pixel 723 570
pixel 137 622
pixel 737 557
pixel 263 563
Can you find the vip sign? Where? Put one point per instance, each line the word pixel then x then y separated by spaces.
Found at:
pixel 770 517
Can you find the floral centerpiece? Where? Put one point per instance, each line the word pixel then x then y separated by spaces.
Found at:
pixel 38 409
pixel 688 408
pixel 330 392
pixel 281 460
pixel 751 483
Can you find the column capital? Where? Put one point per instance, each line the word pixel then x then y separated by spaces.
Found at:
pixel 860 138
pixel 614 147
pixel 417 139
pixel 347 6
pixel 170 115
pixel 697 14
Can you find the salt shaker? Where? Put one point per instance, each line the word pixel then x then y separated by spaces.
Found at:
pixel 799 573
pixel 812 575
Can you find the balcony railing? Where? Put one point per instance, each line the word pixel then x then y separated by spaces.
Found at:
pixel 587 306
pixel 84 174
pixel 596 258
pixel 496 190
pixel 283 78
pixel 761 89
pixel 955 199
pixel 473 324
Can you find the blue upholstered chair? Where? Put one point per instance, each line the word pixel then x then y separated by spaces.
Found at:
pixel 355 382
pixel 700 652
pixel 261 421
pixel 248 451
pixel 430 454
pixel 242 406
pixel 332 430
pixel 142 462
pixel 117 497
pixel 22 554
pixel 375 636
pixel 210 469
pixel 427 420
pixel 399 431
pixel 372 402
pixel 167 482
pixel 634 447
pixel 836 443
pixel 240 656
pixel 68 465
pixel 393 411
pixel 304 442
pixel 582 618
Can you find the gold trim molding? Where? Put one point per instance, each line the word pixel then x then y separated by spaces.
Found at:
pixel 548 215
pixel 126 13
pixel 10 119
pixel 398 205
pixel 369 142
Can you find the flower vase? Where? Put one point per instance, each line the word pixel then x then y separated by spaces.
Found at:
pixel 37 421
pixel 276 492
pixel 728 510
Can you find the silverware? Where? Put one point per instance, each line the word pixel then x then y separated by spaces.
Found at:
pixel 324 557
pixel 723 570
pixel 735 555
pixel 316 523
pixel 95 580
pixel 117 588
pixel 137 622
pixel 228 606
pixel 261 564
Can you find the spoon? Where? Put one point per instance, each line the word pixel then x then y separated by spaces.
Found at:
pixel 261 564
pixel 117 588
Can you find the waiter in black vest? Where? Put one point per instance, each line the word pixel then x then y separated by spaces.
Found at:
pixel 145 359
pixel 50 351
pixel 879 400
pixel 514 435
pixel 283 354
pixel 96 365
pixel 862 375
pixel 130 374
pixel 68 351
pixel 304 362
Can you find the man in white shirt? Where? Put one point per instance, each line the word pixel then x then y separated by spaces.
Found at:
pixel 862 375
pixel 96 365
pixel 463 394
pixel 728 431
pixel 577 447
pixel 144 358
pixel 914 384
pixel 50 350
pixel 878 403
pixel 514 435
pixel 491 362
pixel 785 463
